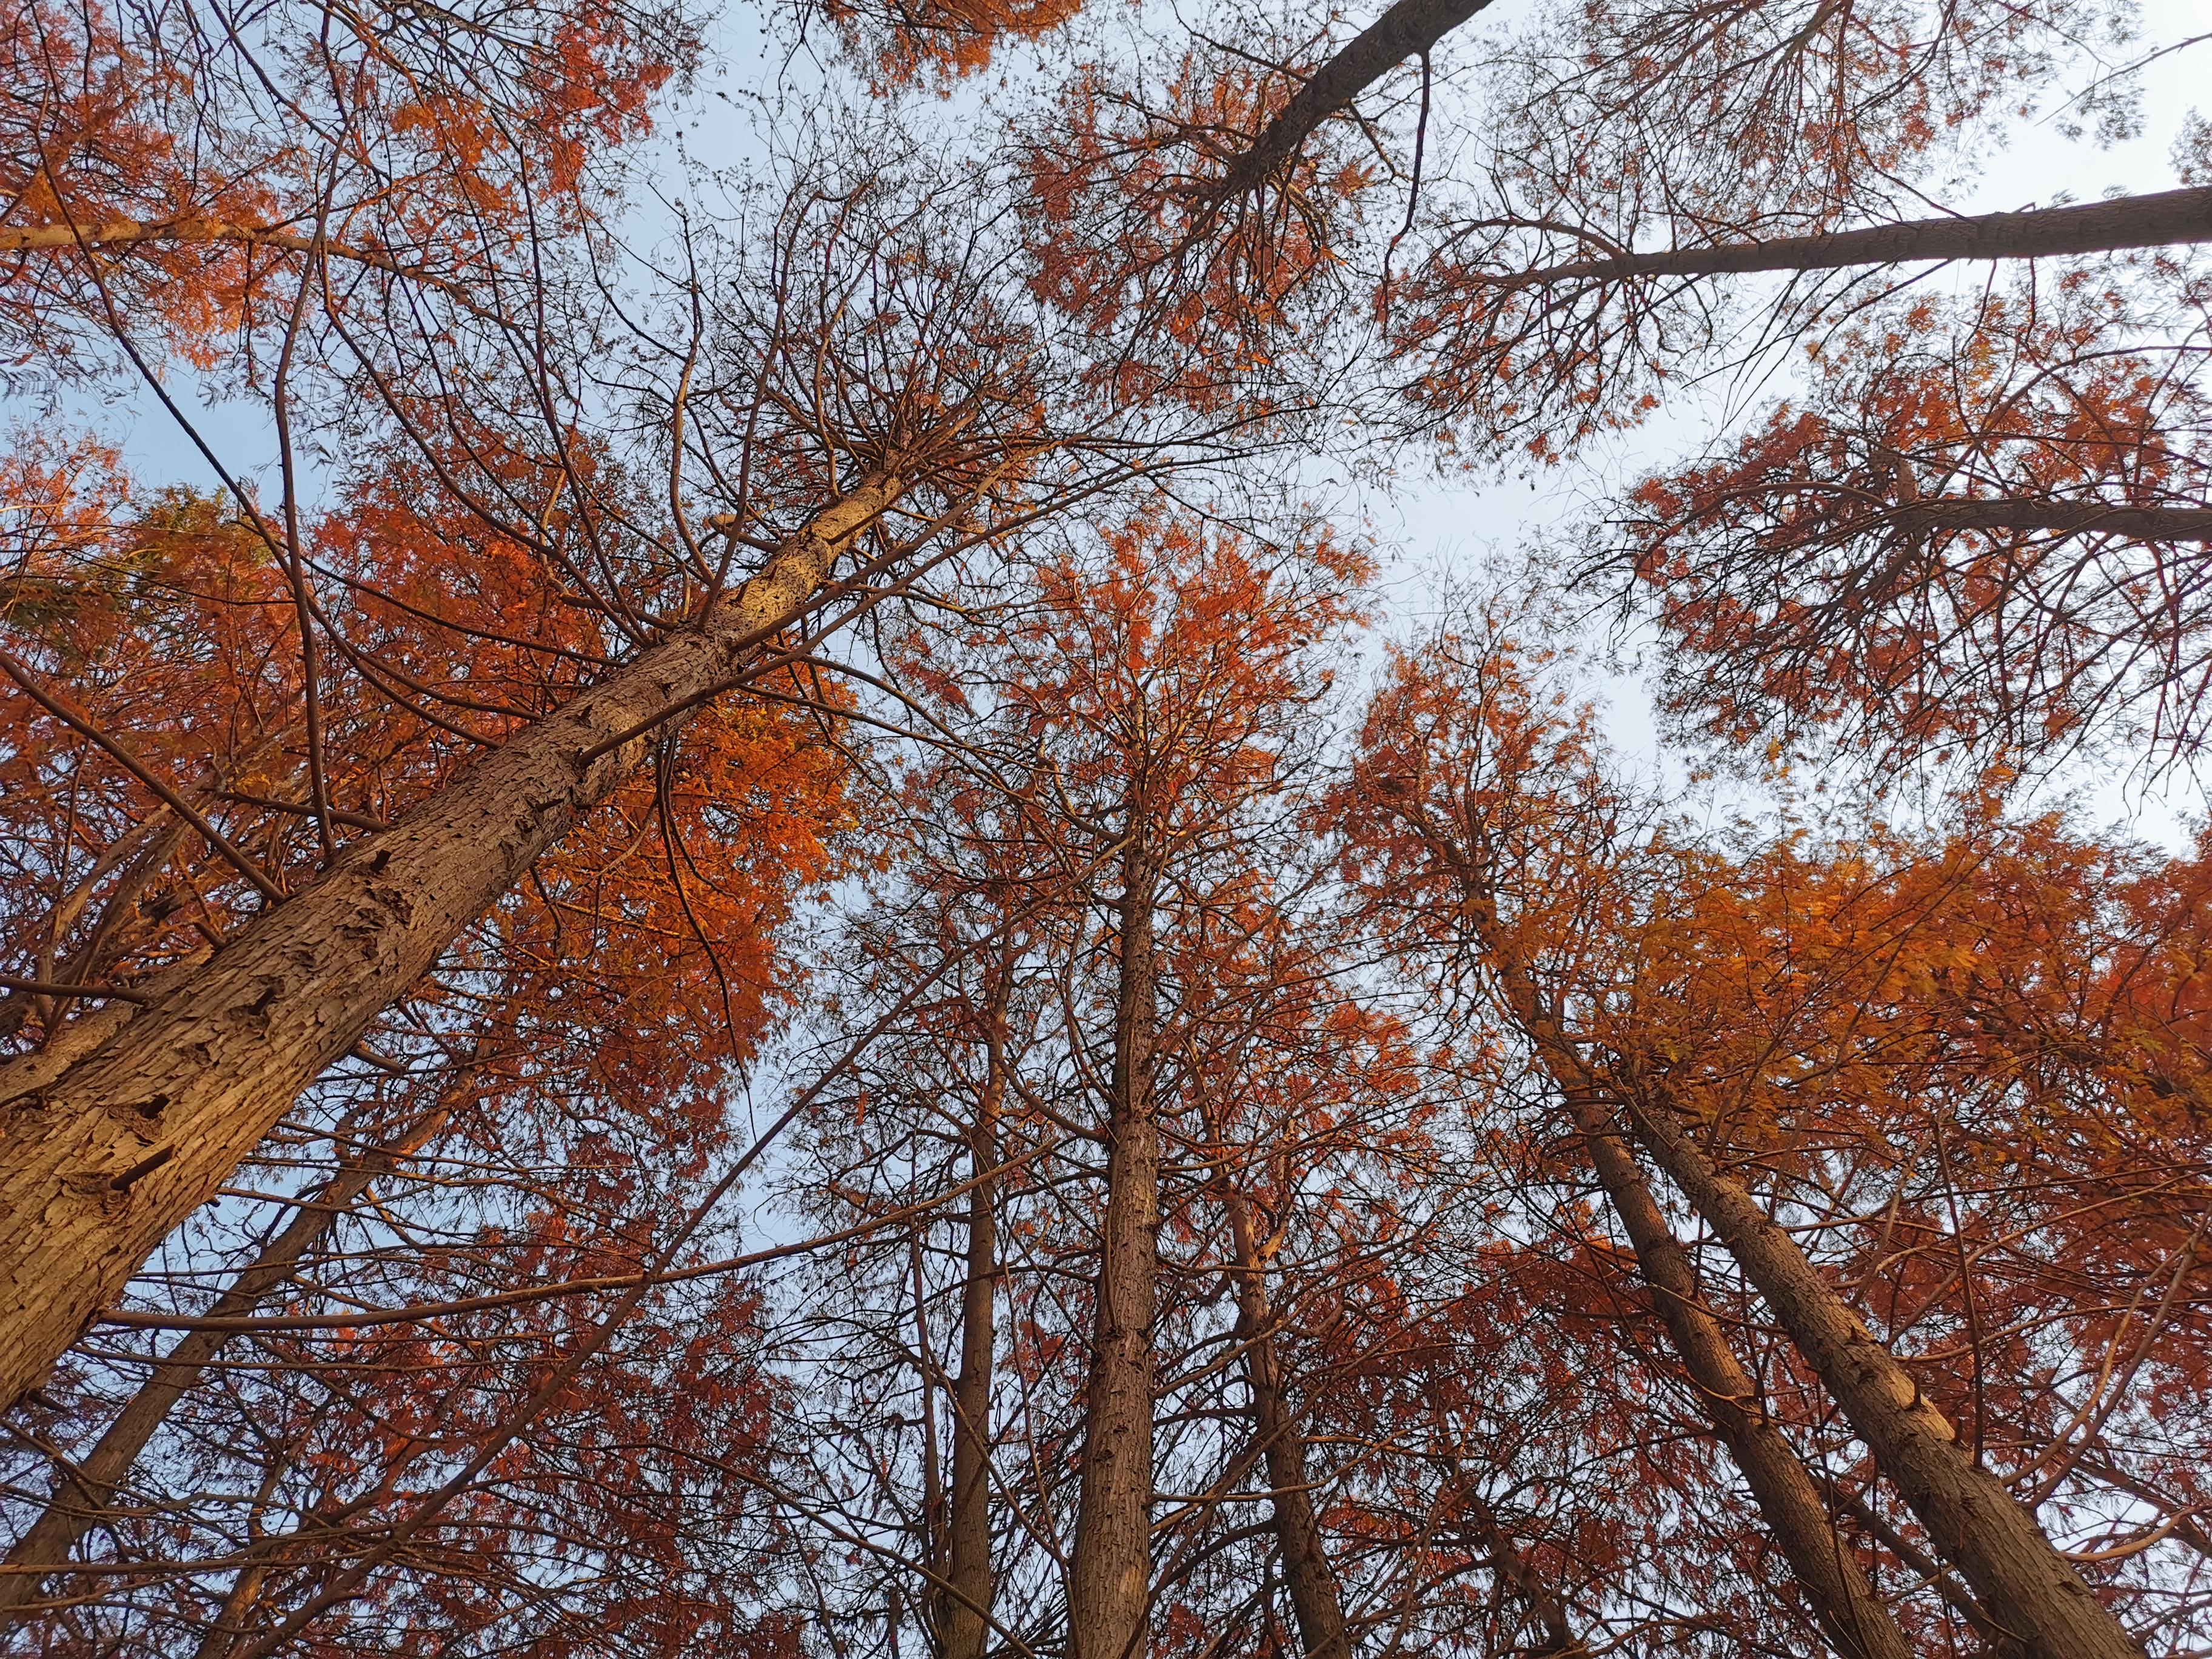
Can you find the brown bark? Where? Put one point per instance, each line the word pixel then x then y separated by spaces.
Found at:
pixel 88 1487
pixel 2016 1573
pixel 2161 219
pixel 1316 1602
pixel 1109 1571
pixel 2142 524
pixel 1850 1614
pixel 1408 29
pixel 963 1620
pixel 99 1165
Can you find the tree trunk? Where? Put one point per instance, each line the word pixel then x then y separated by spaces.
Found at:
pixel 964 1605
pixel 2161 219
pixel 2015 1572
pixel 1109 1572
pixel 1316 1601
pixel 87 1487
pixel 2141 524
pixel 1850 1614
pixel 1408 29
pixel 99 1166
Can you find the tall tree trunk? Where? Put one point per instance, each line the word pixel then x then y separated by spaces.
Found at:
pixel 1992 1538
pixel 964 1605
pixel 88 1487
pixel 97 1166
pixel 1850 1614
pixel 1315 1600
pixel 2142 524
pixel 1109 1572
pixel 1408 29
pixel 2162 218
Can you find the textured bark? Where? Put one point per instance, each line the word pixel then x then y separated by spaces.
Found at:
pixel 1109 1572
pixel 1850 1614
pixel 1317 1602
pixel 1408 29
pixel 2141 524
pixel 964 1607
pixel 2016 1573
pixel 88 1487
pixel 2162 219
pixel 99 1165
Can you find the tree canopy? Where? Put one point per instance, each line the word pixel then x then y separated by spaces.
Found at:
pixel 749 907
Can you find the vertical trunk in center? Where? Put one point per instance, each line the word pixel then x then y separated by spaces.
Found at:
pixel 964 1603
pixel 1109 1578
pixel 1315 1602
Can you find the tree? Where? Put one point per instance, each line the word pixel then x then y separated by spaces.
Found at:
pixel 1484 784
pixel 1953 540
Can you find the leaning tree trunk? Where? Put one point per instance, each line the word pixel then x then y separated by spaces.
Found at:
pixel 1850 1614
pixel 87 1489
pixel 1316 1601
pixel 1408 29
pixel 2077 518
pixel 99 1164
pixel 1109 1571
pixel 2164 218
pixel 963 1617
pixel 1411 28
pixel 1973 1520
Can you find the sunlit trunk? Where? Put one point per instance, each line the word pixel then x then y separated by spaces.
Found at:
pixel 99 1165
pixel 1109 1573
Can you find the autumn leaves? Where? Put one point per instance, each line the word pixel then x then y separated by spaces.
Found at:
pixel 1268 1152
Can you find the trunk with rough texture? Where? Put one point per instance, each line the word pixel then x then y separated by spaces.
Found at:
pixel 2164 218
pixel 1316 1601
pixel 98 1165
pixel 88 1487
pixel 2014 1571
pixel 1109 1570
pixel 1850 1614
pixel 963 1621
pixel 2140 524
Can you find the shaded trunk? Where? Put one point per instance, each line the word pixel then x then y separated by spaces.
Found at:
pixel 963 1621
pixel 1938 1577
pixel 1994 1540
pixel 2161 219
pixel 1109 1572
pixel 1850 1614
pixel 99 1165
pixel 1408 29
pixel 1316 1601
pixel 88 1487
pixel 2142 524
